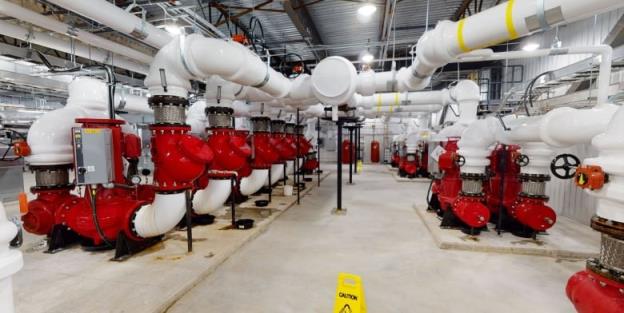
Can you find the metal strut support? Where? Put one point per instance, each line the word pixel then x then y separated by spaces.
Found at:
pixel 339 168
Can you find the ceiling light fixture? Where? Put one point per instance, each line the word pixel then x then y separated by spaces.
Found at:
pixel 367 9
pixel 367 58
pixel 531 46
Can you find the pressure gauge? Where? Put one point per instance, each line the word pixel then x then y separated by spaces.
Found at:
pixel 135 179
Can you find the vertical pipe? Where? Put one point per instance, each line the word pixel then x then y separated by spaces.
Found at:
pixel 318 151
pixel 357 150
pixel 270 186
pixel 189 222
pixel 297 169
pixel 351 155
pixel 233 204
pixel 502 158
pixel 339 166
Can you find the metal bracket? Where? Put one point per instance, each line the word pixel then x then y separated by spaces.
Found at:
pixel 541 15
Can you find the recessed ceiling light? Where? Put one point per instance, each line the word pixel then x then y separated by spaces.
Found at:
pixel 531 46
pixel 367 9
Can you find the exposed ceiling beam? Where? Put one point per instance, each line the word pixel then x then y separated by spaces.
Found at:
pixel 227 17
pixel 615 38
pixel 305 25
pixel 224 9
pixel 461 10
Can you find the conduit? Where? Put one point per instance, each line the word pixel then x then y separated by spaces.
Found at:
pixel 81 50
pixel 26 15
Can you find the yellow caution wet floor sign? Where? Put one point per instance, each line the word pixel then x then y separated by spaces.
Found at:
pixel 349 294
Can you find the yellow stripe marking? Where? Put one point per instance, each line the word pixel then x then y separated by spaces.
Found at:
pixel 511 29
pixel 378 103
pixel 460 36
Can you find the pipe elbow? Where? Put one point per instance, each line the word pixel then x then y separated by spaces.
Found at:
pixel 212 197
pixel 169 74
pixel 161 216
pixel 252 183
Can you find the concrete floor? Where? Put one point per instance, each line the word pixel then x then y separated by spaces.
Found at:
pixel 293 266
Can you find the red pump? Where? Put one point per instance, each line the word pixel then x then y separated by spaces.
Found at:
pixel 280 141
pixel 524 202
pixel 231 151
pixel 457 197
pixel 56 209
pixel 264 153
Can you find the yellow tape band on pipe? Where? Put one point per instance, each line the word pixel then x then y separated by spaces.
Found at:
pixel 396 99
pixel 378 103
pixel 460 36
pixel 511 29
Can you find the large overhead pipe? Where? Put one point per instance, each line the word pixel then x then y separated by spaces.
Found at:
pixel 109 14
pixel 81 50
pixel 26 15
pixel 507 21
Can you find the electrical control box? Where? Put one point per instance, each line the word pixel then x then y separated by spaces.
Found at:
pixel 93 158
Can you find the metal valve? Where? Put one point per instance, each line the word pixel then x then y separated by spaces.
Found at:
pixel 522 160
pixel 564 166
pixel 460 160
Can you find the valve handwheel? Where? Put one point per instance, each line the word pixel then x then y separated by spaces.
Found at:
pixel 460 160
pixel 522 160
pixel 564 166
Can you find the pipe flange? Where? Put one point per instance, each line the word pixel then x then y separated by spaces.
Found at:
pixel 595 267
pixel 532 196
pixel 609 227
pixel 277 126
pixel 219 110
pixel 163 100
pixel 534 177
pixel 472 176
pixel 472 194
pixel 289 128
pixel 36 189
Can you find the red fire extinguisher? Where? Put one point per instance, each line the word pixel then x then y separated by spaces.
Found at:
pixel 374 151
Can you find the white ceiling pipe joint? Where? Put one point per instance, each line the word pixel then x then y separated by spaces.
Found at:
pixel 610 147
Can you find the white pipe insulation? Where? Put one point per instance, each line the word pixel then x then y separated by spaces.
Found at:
pixel 159 217
pixel 81 50
pixel 212 197
pixel 11 261
pixel 610 146
pixel 277 173
pixel 197 57
pixel 109 14
pixel 49 137
pixel 26 15
pixel 507 21
pixel 254 182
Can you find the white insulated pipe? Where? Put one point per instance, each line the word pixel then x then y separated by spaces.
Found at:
pixel 212 197
pixel 49 137
pixel 11 261
pixel 194 56
pixel 26 15
pixel 81 50
pixel 277 173
pixel 254 182
pixel 610 147
pixel 109 14
pixel 161 216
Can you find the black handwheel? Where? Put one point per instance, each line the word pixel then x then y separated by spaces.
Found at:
pixel 564 166
pixel 460 160
pixel 522 160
